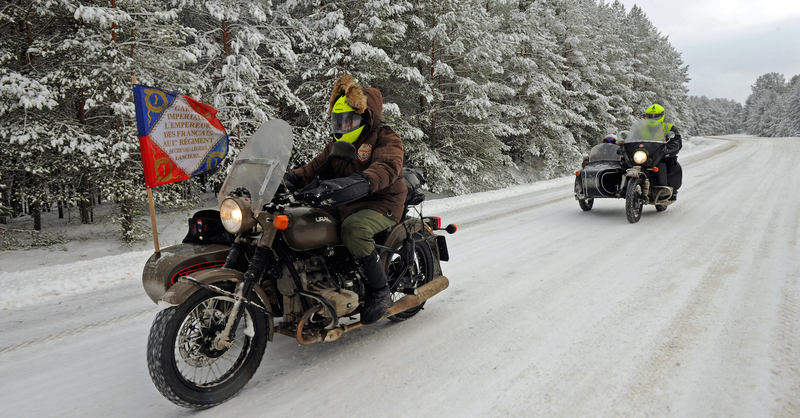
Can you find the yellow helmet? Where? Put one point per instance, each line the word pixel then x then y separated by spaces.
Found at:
pixel 654 114
pixel 346 124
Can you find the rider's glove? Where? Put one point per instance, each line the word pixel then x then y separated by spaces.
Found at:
pixel 290 183
pixel 336 192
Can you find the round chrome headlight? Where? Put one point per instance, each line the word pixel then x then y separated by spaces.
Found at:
pixel 639 157
pixel 236 215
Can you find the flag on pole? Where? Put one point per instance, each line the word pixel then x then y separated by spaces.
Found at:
pixel 179 137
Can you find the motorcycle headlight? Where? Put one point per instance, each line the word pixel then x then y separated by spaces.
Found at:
pixel 236 215
pixel 639 157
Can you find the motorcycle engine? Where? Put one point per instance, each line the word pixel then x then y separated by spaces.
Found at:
pixel 315 278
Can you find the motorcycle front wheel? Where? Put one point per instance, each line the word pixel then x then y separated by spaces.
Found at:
pixel 634 200
pixel 184 365
pixel 410 274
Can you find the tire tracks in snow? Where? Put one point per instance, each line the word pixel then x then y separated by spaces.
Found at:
pixel 785 356
pixel 737 289
pixel 76 331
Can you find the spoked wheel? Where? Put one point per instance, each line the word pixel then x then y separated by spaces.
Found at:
pixel 404 276
pixel 634 200
pixel 183 362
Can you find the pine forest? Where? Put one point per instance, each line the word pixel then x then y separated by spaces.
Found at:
pixel 485 94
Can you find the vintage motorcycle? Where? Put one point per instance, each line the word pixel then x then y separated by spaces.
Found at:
pixel 273 257
pixel 631 169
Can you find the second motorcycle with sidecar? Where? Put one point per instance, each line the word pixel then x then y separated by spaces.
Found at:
pixel 631 169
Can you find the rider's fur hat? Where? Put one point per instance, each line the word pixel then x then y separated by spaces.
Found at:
pixel 353 92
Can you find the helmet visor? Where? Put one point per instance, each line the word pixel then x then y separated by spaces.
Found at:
pixel 609 140
pixel 342 123
pixel 654 115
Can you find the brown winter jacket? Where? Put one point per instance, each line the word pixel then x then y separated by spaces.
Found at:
pixel 380 157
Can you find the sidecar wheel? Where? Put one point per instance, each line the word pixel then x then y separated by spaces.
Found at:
pixel 184 366
pixel 586 204
pixel 634 201
pixel 420 271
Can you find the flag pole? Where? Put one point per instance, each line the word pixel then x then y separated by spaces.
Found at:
pixel 150 202
pixel 153 219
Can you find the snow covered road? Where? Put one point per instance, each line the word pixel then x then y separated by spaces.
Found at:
pixel 551 311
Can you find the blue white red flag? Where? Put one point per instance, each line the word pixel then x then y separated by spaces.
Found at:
pixel 179 137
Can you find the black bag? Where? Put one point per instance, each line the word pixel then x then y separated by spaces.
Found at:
pixel 414 181
pixel 205 227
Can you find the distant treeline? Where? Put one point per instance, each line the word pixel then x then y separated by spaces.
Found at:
pixel 769 111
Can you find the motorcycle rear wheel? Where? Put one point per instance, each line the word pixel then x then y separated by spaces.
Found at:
pixel 420 271
pixel 184 366
pixel 634 200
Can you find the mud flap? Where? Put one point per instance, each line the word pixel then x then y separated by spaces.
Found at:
pixel 441 244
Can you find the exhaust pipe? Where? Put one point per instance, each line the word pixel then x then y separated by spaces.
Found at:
pixel 425 292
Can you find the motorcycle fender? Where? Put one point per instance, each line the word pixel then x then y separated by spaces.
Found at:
pixel 398 234
pixel 181 291
pixel 633 172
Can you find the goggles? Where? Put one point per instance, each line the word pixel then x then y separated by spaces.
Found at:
pixel 609 140
pixel 342 123
pixel 654 115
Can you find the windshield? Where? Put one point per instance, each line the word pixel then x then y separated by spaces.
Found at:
pixel 260 166
pixel 604 152
pixel 646 130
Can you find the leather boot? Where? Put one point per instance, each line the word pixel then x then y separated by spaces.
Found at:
pixel 378 298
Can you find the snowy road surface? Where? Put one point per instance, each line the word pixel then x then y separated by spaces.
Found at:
pixel 551 311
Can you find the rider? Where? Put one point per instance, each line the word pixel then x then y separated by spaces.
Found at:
pixel 369 191
pixel 655 121
pixel 608 139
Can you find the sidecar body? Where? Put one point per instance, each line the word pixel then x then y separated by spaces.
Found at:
pixel 603 176
pixel 205 246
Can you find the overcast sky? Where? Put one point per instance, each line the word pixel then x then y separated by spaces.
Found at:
pixel 728 44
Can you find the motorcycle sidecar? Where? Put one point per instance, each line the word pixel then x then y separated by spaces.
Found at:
pixel 205 246
pixel 602 177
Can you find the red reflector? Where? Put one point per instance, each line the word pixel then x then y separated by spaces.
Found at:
pixel 577 173
pixel 434 222
pixel 655 169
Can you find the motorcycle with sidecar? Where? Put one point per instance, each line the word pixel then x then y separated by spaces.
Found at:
pixel 632 169
pixel 266 263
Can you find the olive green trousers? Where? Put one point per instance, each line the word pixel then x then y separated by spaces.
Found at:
pixel 359 228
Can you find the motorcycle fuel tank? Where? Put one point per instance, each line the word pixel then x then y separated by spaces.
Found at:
pixel 310 228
